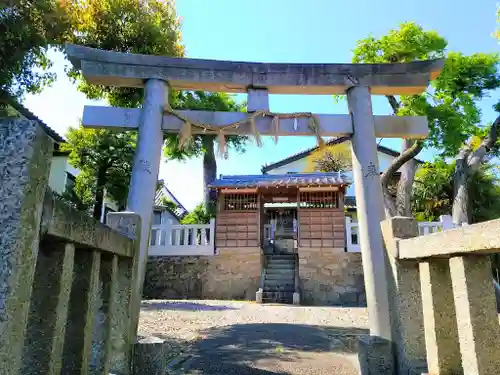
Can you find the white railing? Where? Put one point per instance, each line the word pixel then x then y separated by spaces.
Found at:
pixel 178 240
pixel 424 227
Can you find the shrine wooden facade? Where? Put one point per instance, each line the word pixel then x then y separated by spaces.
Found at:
pixel 317 202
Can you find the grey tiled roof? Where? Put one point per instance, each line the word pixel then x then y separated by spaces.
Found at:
pixel 180 212
pixel 299 179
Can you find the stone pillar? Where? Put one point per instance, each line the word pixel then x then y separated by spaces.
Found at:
pixel 25 158
pixel 43 350
pixel 477 318
pixel 441 334
pixel 405 300
pixel 369 208
pixel 123 321
pixel 145 169
pixel 77 353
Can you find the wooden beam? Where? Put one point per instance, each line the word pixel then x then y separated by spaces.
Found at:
pixel 312 189
pixel 238 191
pixel 332 125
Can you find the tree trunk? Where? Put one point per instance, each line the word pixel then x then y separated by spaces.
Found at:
pixel 405 156
pixel 405 185
pixel 406 162
pixel 467 162
pixel 460 210
pixel 209 172
pixel 99 194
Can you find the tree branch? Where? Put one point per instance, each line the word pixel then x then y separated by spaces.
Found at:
pixel 398 162
pixel 394 103
pixel 477 157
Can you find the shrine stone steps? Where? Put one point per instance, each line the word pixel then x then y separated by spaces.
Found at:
pixel 279 280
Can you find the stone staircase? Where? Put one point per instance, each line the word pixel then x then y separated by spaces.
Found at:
pixel 279 278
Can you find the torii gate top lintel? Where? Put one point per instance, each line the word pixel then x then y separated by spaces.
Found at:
pixel 131 70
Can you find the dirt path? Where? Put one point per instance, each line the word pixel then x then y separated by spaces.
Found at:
pixel 226 337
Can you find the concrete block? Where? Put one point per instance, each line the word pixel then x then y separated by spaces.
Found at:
pixel 375 356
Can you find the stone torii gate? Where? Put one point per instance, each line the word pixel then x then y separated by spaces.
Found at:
pixel 358 81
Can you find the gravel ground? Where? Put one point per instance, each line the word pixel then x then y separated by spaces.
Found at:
pixel 229 337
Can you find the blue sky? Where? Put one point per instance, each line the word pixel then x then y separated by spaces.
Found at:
pixel 313 31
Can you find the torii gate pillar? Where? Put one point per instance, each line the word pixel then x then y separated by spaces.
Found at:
pixel 146 167
pixel 370 209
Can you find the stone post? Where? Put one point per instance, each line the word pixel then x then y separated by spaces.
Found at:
pixel 145 170
pixel 370 210
pixel 405 298
pixel 477 318
pixel 124 321
pixel 25 158
pixel 150 357
pixel 46 331
pixel 441 334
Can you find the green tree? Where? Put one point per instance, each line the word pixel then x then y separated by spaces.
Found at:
pixel 433 193
pixel 451 104
pixel 147 27
pixel 197 216
pixel 203 145
pixel 28 28
pixel 105 161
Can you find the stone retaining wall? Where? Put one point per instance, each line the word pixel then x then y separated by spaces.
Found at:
pixel 233 274
pixel 331 277
pixel 327 276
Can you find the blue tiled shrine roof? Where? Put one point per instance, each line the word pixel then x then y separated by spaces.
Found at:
pixel 296 179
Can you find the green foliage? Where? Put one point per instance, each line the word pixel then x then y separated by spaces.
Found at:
pixel 72 199
pixel 147 27
pixel 201 101
pixel 451 104
pixel 172 206
pixel 408 43
pixel 433 192
pixel 197 216
pixel 105 161
pixel 28 28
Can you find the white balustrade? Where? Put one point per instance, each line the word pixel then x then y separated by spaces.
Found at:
pixel 178 240
pixel 424 227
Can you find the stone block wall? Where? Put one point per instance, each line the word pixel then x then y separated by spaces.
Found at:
pixel 330 276
pixel 232 274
